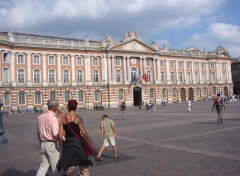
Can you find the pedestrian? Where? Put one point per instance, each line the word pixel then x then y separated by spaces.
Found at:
pixel 48 131
pixel 189 103
pixel 108 135
pixel 74 158
pixel 140 105
pixel 123 109
pixel 218 104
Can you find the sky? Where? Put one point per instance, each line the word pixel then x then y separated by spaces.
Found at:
pixel 180 24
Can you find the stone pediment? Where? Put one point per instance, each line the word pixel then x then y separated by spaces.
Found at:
pixel 133 45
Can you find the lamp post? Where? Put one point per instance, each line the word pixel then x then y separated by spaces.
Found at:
pixel 3 140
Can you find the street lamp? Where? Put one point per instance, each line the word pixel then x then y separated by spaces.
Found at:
pixel 3 140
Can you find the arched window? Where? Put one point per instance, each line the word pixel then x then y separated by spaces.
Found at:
pixel 152 93
pixel 204 91
pixel 5 75
pixel 180 64
pixel 65 60
pixel 97 96
pixel 172 77
pixel 20 76
pixel 36 59
pixel 149 76
pixel 21 98
pixel 213 77
pixel 53 95
pixel 121 95
pixel 66 76
pixel 161 64
pixel 180 77
pixel 164 92
pixel 198 91
pixel 51 76
pixel 79 61
pixel 80 96
pixel 51 60
pixel 95 61
pixel 67 96
pixel 95 76
pixel 7 98
pixel 203 77
pixel 174 92
pixel 36 76
pixel 118 76
pixel 79 76
pixel 214 91
pixel 20 59
pixel 171 64
pixel 196 77
pixel 162 77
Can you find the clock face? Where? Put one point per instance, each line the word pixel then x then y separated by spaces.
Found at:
pixel 133 61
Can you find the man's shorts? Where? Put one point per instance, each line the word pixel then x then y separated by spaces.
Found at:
pixel 107 140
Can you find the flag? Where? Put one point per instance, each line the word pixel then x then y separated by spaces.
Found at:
pixel 134 80
pixel 145 78
pixel 138 78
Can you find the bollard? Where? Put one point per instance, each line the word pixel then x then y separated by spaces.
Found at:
pixel 3 140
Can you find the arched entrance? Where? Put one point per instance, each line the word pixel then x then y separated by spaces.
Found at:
pixel 183 95
pixel 137 96
pixel 190 94
pixel 225 91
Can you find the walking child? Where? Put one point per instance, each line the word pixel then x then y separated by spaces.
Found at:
pixel 108 135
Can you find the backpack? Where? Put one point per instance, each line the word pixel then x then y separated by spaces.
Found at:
pixel 218 102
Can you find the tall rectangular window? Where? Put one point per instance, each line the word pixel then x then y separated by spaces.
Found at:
pixel 51 60
pixel 7 98
pixel 20 59
pixel 21 98
pixel 66 76
pixel 37 98
pixel 80 96
pixel 121 95
pixel 51 76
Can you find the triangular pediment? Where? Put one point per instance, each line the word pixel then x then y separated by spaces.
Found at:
pixel 133 45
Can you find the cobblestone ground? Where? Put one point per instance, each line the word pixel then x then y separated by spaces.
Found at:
pixel 167 142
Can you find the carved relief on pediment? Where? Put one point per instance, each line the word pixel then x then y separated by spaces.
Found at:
pixel 135 46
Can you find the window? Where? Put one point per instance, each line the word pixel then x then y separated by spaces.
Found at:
pixel 204 91
pixel 152 93
pixel 5 57
pixel 172 77
pixel 80 96
pixel 79 61
pixel 51 60
pixel 36 59
pixel 214 91
pixel 188 64
pixel 66 76
pixel 53 95
pixel 189 77
pixel 95 76
pixel 133 73
pixel 21 98
pixel 5 75
pixel 161 64
pixel 6 98
pixel 223 65
pixel 67 96
pixel 97 95
pixel 121 95
pixel 95 61
pixel 181 77
pixel 20 59
pixel 198 92
pixel 164 92
pixel 37 98
pixel 171 64
pixel 118 77
pixel 65 60
pixel 36 76
pixel 20 76
pixel 196 77
pixel 212 65
pixel 148 62
pixel 224 77
pixel 195 65
pixel 149 76
pixel 117 61
pixel 162 77
pixel 180 64
pixel 174 92
pixel 203 77
pixel 79 76
pixel 212 77
pixel 203 65
pixel 51 76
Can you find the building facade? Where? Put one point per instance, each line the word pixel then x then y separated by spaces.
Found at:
pixel 236 75
pixel 35 68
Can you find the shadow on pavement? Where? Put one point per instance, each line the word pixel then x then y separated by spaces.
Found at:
pixel 14 172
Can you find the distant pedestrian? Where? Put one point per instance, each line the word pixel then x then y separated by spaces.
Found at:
pixel 140 105
pixel 108 135
pixel 123 109
pixel 189 103
pixel 48 131
pixel 218 104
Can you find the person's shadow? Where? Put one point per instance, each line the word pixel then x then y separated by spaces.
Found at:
pixel 14 172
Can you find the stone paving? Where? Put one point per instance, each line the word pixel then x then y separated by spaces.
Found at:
pixel 166 142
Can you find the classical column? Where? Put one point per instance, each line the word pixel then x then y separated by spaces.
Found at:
pixel 158 70
pixel 44 64
pixel 128 69
pixel 168 72
pixel 228 65
pixel 124 70
pixel 177 78
pixel 73 70
pixel 113 69
pixel 141 67
pixel 88 70
pixel 200 72
pixel 29 70
pixel 207 74
pixel 12 68
pixel 104 69
pixel 59 70
pixel 185 72
pixel 109 69
pixel 154 70
pixel 193 74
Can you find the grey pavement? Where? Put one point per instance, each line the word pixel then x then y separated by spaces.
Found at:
pixel 167 142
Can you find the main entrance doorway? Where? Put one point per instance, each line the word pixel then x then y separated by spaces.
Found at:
pixel 137 96
pixel 183 95
pixel 190 94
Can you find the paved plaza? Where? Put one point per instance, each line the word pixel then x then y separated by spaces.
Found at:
pixel 167 142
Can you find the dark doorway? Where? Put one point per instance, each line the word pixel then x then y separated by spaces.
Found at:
pixel 225 91
pixel 137 96
pixel 190 94
pixel 183 95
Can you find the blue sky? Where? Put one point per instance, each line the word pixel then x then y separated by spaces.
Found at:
pixel 204 24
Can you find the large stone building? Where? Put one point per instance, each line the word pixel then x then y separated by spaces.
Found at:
pixel 35 68
pixel 236 75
